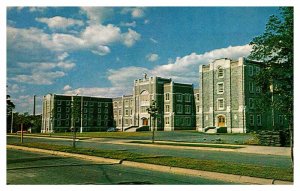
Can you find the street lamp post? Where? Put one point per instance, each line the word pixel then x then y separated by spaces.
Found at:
pixel 152 110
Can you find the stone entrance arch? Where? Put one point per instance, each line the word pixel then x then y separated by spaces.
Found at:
pixel 221 121
pixel 145 121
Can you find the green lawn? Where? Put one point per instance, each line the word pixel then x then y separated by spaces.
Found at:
pixel 188 144
pixel 206 165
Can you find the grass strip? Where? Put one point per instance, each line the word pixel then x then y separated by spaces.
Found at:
pixel 120 135
pixel 188 144
pixel 285 174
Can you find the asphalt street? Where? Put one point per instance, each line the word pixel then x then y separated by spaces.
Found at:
pixel 33 169
pixel 244 158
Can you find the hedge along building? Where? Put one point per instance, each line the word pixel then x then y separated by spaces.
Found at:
pixel 227 97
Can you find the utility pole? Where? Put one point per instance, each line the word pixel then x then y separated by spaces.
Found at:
pixel 12 121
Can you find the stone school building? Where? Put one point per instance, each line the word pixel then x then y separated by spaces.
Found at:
pixel 224 102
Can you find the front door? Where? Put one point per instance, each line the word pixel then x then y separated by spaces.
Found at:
pixel 145 122
pixel 221 121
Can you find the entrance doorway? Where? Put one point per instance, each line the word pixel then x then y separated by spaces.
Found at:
pixel 221 121
pixel 145 122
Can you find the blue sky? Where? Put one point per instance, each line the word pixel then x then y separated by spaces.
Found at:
pixel 99 51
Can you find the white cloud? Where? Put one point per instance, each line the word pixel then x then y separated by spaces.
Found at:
pixel 14 88
pixel 132 24
pixel 153 40
pixel 41 78
pixel 67 87
pixel 101 34
pixel 137 12
pixel 146 21
pixel 62 56
pixel 125 76
pixel 100 92
pixel 97 14
pixel 58 22
pixel 37 9
pixel 130 37
pixel 183 69
pixel 152 57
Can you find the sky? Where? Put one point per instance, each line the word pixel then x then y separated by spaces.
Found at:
pixel 100 51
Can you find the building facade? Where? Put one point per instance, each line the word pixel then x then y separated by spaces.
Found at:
pixel 61 112
pixel 174 101
pixel 227 98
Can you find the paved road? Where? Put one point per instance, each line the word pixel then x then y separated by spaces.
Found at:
pixel 245 158
pixel 33 168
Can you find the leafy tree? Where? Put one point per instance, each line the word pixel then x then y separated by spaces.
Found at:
pixel 9 110
pixel 275 50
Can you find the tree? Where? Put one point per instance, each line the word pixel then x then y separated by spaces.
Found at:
pixel 275 50
pixel 9 112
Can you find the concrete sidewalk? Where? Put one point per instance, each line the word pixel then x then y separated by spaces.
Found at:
pixel 253 149
pixel 190 172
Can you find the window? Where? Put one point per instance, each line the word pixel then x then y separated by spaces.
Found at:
pixel 68 102
pixel 131 112
pixel 58 109
pixel 99 104
pixel 179 97
pixel 187 109
pixel 58 116
pixel 91 110
pixel 258 89
pixel 58 102
pixel 120 112
pixel 99 118
pixel 179 108
pixel 250 70
pixel 144 109
pixel 126 103
pixel 106 104
pixel 251 103
pixel 126 112
pixel 280 119
pixel 58 123
pixel 85 110
pixel 251 87
pixel 105 110
pixel 126 121
pixel 115 104
pixel 67 109
pixel 91 103
pixel 188 121
pixel 167 120
pixel 198 108
pixel 257 69
pixel 105 117
pixel 251 119
pixel 131 102
pixel 98 123
pixel 167 108
pixel 198 97
pixel 220 87
pixel 67 116
pixel 120 122
pixel 85 116
pixel 258 119
pixel 99 110
pixel 167 96
pixel 220 72
pixel 220 104
pixel 67 123
pixel 85 123
pixel 85 103
pixel 188 98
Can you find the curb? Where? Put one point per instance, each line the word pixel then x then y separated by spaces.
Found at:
pixel 206 174
pixel 161 168
pixel 59 153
